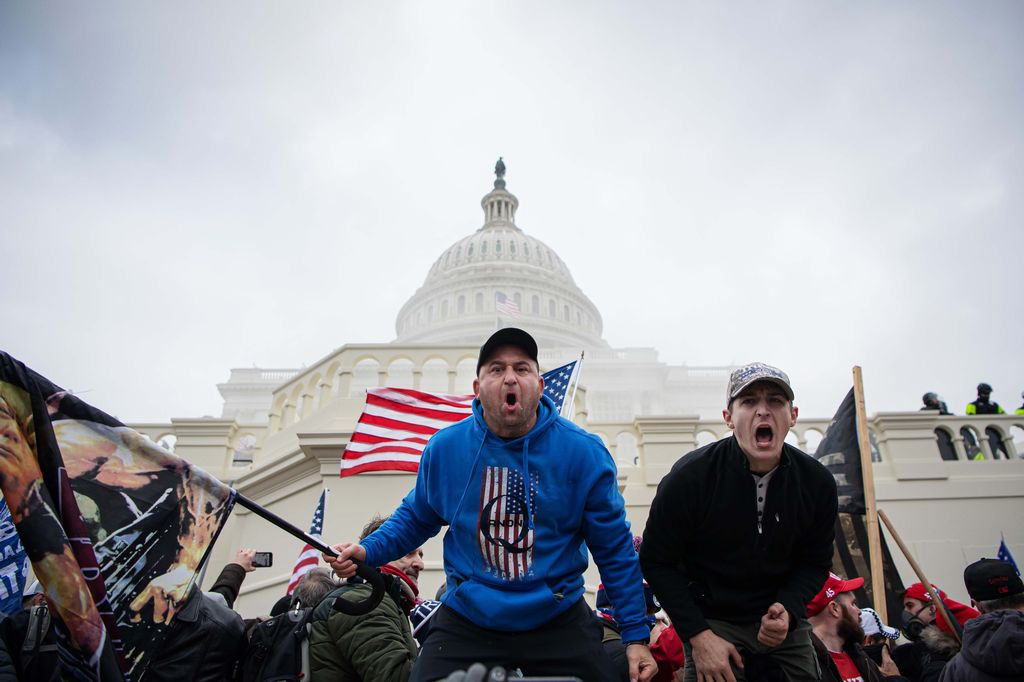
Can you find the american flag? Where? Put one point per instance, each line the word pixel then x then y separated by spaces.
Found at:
pixel 397 422
pixel 560 383
pixel 504 535
pixel 309 558
pixel 505 305
pixel 395 427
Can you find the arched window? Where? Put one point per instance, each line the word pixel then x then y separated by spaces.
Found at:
pixel 497 246
pixel 479 302
pixel 535 305
pixel 551 307
pixel 469 252
pixel 565 313
pixel 483 248
pixel 461 304
pixel 512 248
pixel 444 310
pixel 430 312
pixel 518 298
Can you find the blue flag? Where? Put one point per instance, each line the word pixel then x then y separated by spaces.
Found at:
pixel 1004 554
pixel 13 564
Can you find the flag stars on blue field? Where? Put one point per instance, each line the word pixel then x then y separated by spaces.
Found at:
pixel 557 383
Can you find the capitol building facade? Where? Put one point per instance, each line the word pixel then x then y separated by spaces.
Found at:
pixel 281 433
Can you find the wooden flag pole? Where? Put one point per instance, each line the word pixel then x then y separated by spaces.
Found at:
pixel 940 607
pixel 871 519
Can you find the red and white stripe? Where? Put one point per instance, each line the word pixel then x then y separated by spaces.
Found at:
pixel 396 425
pixel 498 494
pixel 308 560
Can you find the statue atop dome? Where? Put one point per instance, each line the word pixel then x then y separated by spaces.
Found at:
pixel 499 172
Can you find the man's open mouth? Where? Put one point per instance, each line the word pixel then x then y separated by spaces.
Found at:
pixel 763 435
pixel 510 399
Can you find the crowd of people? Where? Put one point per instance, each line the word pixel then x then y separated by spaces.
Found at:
pixel 730 581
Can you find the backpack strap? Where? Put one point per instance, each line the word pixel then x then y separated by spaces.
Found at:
pixel 32 647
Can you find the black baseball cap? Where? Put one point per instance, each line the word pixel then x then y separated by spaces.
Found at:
pixel 988 579
pixel 509 336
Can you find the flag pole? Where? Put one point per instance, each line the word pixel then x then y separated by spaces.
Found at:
pixel 871 518
pixel 572 398
pixel 365 572
pixel 940 607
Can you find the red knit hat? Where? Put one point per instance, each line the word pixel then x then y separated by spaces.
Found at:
pixel 961 612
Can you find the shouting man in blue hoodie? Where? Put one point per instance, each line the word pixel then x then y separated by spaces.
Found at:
pixel 524 493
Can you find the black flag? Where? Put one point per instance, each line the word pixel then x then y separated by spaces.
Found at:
pixel 839 451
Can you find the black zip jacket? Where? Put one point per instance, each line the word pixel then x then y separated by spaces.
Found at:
pixel 705 554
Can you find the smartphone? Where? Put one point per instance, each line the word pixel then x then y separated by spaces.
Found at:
pixel 263 559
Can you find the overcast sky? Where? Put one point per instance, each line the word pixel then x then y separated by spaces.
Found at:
pixel 190 187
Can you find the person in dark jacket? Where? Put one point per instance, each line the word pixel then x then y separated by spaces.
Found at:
pixel 205 643
pixel 837 635
pixel 375 646
pixel 229 582
pixel 983 403
pixel 993 647
pixel 739 537
pixel 932 642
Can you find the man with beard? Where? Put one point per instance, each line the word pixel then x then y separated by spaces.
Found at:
pixel 837 634
pixel 739 538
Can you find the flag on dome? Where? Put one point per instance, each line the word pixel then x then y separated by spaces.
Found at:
pixel 505 305
pixel 396 423
pixel 309 557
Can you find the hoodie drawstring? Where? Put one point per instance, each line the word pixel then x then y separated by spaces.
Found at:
pixel 526 482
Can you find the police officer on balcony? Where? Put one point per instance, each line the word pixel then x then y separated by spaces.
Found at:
pixel 983 405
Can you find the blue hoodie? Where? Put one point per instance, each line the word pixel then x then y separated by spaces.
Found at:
pixel 515 561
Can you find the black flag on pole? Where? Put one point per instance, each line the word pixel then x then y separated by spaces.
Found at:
pixel 839 451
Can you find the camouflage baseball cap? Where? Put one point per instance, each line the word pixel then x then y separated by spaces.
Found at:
pixel 756 371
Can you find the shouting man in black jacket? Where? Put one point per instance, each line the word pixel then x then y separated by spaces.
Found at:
pixel 739 538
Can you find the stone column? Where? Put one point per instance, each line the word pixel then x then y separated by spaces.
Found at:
pixel 907 441
pixel 344 383
pixel 663 440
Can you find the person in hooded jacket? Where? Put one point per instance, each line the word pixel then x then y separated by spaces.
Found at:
pixel 378 645
pixel 524 493
pixel 993 648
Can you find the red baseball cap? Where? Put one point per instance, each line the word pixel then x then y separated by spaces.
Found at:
pixel 834 586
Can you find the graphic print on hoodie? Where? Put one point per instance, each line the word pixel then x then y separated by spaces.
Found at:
pixel 505 528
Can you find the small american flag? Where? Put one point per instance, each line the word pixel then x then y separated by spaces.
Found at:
pixel 309 558
pixel 505 305
pixel 1004 554
pixel 504 533
pixel 397 422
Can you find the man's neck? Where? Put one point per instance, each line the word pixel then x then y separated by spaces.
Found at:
pixel 831 640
